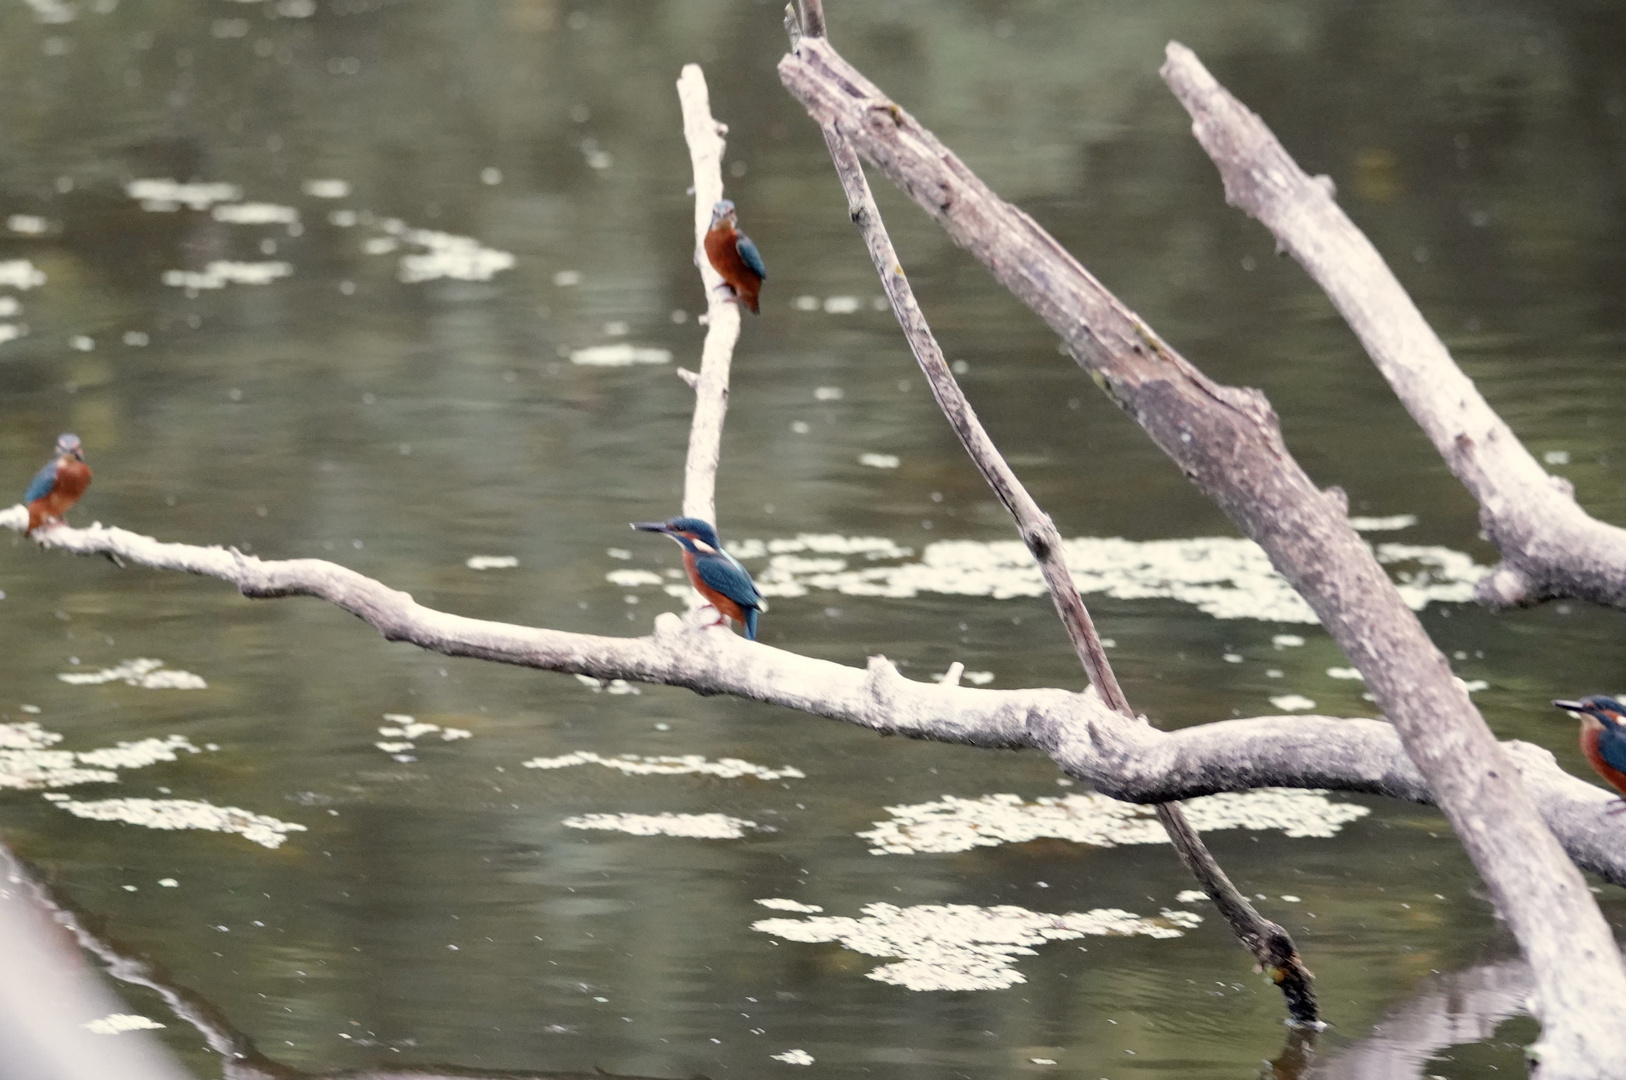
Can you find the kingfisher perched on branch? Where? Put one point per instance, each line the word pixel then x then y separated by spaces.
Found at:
pixel 732 255
pixel 714 573
pixel 1603 738
pixel 59 484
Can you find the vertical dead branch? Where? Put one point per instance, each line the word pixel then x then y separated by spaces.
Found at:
pixel 1227 441
pixel 1270 944
pixel 705 138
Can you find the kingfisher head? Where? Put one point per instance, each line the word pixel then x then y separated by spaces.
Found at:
pixel 723 211
pixel 69 444
pixel 1605 710
pixel 692 533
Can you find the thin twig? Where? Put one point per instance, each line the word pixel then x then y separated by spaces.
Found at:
pixel 1268 941
pixel 706 145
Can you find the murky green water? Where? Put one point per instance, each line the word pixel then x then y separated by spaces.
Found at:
pixel 437 907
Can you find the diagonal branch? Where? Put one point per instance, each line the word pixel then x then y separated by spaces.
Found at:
pixel 1550 546
pixel 1227 441
pixel 1269 942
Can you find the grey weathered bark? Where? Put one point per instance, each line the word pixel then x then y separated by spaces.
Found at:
pixel 1227 441
pixel 1550 546
pixel 1271 945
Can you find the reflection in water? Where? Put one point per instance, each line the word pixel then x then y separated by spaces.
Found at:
pixel 477 431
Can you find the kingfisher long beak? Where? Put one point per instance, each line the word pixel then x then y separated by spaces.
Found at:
pixel 1572 706
pixel 651 526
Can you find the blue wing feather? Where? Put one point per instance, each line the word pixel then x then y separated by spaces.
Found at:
pixel 753 258
pixel 1612 747
pixel 729 578
pixel 44 480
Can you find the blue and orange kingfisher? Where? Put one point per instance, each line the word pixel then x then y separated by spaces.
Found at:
pixel 714 573
pixel 732 255
pixel 1603 738
pixel 59 484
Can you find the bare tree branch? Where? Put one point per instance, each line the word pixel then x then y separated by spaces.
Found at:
pixel 1119 757
pixel 1227 441
pixel 1550 546
pixel 1271 945
pixel 705 138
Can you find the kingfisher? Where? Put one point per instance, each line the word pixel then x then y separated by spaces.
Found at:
pixel 714 573
pixel 732 255
pixel 59 484
pixel 1603 738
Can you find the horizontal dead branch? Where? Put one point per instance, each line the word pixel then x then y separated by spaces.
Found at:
pixel 1123 758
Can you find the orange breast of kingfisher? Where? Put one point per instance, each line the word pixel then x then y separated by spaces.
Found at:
pixel 71 481
pixel 723 604
pixel 1589 746
pixel 724 255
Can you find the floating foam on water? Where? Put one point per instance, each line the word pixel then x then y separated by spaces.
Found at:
pixel 794 1057
pixel 879 461
pixel 628 579
pixel 143 671
pixel 1383 524
pixel 1190 896
pixel 20 274
pixel 621 354
pixel 697 826
pixel 27 224
pixel 492 562
pixel 779 903
pixel 1292 702
pixel 255 213
pixel 28 763
pixel 184 814
pixel 446 255
pixel 52 12
pixel 956 824
pixel 326 189
pixel 222 272
pixel 612 686
pixel 1345 673
pixel 114 1023
pixel 962 946
pixel 1226 577
pixel 669 765
pixel 841 305
pixel 1287 641
pixel 167 195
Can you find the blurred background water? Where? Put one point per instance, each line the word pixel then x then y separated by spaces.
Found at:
pixel 369 346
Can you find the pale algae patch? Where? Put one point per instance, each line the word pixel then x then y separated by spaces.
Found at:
pixel 222 272
pixel 144 671
pixel 444 255
pixel 780 903
pixel 406 729
pixel 28 762
pixel 117 1023
pixel 168 196
pixel 956 824
pixel 1226 577
pixel 668 765
pixel 694 826
pixel 963 946
pixel 183 814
